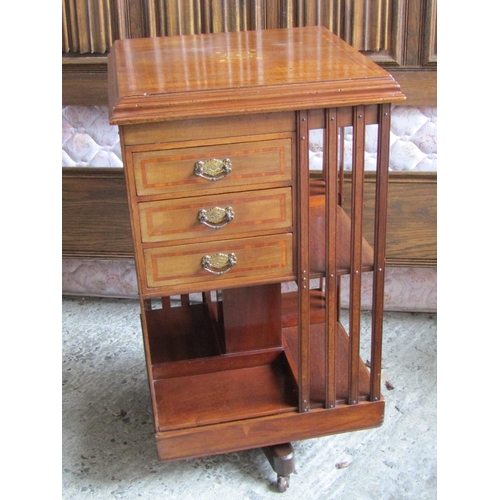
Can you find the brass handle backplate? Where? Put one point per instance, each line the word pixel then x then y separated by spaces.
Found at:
pixel 216 217
pixel 213 169
pixel 218 263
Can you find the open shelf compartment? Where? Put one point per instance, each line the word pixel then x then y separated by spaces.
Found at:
pixel 195 383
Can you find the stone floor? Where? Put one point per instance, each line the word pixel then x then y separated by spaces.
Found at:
pixel 108 440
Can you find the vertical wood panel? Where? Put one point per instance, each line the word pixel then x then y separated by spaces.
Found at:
pixel 429 40
pixel 382 178
pixel 87 25
pixel 413 46
pixel 100 26
pixel 303 260
pixel 82 27
pixel 356 250
pixel 330 173
pixel 66 34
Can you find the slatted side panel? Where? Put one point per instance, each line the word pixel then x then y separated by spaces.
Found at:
pixel 338 123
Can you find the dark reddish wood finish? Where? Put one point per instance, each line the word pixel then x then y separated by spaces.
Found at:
pixel 247 365
pixel 250 319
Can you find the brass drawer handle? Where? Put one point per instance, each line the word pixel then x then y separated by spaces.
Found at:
pixel 213 169
pixel 216 217
pixel 218 263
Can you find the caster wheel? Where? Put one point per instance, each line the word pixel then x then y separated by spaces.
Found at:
pixel 283 483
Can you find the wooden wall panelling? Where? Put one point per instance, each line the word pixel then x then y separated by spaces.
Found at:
pixel 377 30
pixel 420 87
pixel 429 37
pixel 376 27
pixel 411 217
pixel 91 26
pixel 187 17
pixel 420 48
pixel 88 26
pixel 95 215
pixel 132 19
pixel 85 84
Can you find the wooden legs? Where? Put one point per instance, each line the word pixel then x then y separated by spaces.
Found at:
pixel 282 460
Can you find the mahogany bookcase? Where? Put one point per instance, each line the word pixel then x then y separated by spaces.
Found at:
pixel 240 249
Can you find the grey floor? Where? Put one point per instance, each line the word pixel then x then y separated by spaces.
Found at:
pixel 108 441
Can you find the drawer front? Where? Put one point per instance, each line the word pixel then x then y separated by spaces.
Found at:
pixel 216 264
pixel 216 216
pixel 211 168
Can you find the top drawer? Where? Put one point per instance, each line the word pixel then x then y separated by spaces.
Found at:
pixel 212 168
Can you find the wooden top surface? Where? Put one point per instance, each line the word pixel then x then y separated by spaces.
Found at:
pixel 174 77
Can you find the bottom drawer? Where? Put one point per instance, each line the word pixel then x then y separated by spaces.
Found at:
pixel 208 265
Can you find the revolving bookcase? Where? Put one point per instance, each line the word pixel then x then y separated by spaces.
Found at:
pixel 241 250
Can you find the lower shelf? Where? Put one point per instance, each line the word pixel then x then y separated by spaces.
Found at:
pixel 253 385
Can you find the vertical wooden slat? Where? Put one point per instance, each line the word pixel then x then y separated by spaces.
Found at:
pixel 327 15
pixel 348 21
pixel 330 172
pixel 177 14
pixel 82 26
pixel 369 24
pixel 205 16
pixel 99 25
pixel 311 9
pixel 373 25
pixel 341 153
pixel 175 17
pixel 155 17
pixel 429 51
pixel 359 15
pixel 169 18
pixel 109 24
pixel 356 242
pixel 190 18
pixel 257 15
pixel 66 30
pixel 69 25
pixel 385 29
pixel 217 15
pixel 287 15
pixel 165 303
pixel 379 249
pixel 303 259
pixel 334 18
pixel 300 16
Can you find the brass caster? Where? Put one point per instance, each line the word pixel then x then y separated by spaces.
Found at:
pixel 283 483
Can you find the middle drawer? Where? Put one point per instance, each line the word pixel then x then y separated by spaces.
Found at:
pixel 216 216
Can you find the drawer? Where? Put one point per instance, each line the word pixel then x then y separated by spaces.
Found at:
pixel 217 264
pixel 216 216
pixel 179 172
